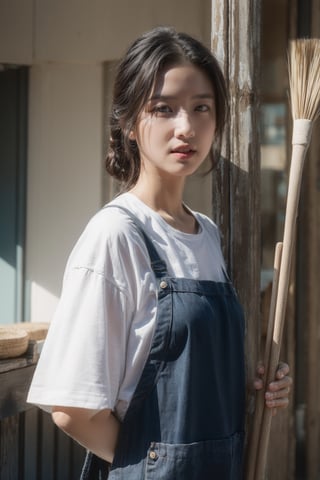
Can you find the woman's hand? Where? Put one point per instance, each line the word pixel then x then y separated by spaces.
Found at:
pixel 277 392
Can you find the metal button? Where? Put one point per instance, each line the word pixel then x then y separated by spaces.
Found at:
pixel 153 455
pixel 163 284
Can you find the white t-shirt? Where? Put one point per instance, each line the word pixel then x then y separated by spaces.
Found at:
pixel 101 334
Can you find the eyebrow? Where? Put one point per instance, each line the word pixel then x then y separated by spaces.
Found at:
pixel 172 97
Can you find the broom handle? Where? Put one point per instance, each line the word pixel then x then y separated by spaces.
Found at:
pixel 260 399
pixel 297 162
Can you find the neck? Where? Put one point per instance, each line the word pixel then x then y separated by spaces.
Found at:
pixel 165 198
pixel 160 195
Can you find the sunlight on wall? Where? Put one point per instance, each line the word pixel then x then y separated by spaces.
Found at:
pixel 7 298
pixel 43 302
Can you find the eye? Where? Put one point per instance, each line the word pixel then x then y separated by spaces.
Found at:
pixel 203 108
pixel 161 109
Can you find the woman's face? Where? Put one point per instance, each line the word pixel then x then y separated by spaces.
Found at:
pixel 176 128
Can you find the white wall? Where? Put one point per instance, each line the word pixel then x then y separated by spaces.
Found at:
pixel 64 170
pixel 94 31
pixel 66 43
pixel 89 31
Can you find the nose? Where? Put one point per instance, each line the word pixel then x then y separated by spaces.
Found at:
pixel 184 127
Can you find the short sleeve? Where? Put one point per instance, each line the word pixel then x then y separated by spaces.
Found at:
pixel 99 329
pixel 83 359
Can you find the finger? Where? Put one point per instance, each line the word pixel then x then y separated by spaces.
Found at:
pixel 282 370
pixel 277 385
pixel 280 394
pixel 258 384
pixel 278 403
pixel 260 368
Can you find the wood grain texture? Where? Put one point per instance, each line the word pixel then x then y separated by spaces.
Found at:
pixel 236 198
pixel 236 181
pixel 9 448
pixel 30 442
pixel 13 392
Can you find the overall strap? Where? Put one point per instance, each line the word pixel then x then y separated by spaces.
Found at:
pixel 158 265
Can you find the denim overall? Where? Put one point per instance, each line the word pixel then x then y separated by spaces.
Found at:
pixel 186 418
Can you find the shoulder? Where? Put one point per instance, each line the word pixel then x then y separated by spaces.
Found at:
pixel 208 225
pixel 110 223
pixel 109 236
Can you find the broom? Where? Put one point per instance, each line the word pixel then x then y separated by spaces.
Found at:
pixel 304 81
pixel 260 402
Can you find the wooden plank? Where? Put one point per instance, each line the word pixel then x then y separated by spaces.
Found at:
pixel 30 439
pixel 29 358
pixel 47 447
pixel 14 389
pixel 9 448
pixel 12 364
pixel 78 456
pixel 64 456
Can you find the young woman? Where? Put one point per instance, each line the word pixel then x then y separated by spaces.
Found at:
pixel 144 362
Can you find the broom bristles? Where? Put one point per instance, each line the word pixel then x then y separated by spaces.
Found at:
pixel 304 78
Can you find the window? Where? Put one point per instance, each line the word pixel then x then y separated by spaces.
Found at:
pixel 13 148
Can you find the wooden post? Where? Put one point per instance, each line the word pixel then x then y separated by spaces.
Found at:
pixel 236 181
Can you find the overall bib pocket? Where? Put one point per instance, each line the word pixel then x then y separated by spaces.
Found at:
pixel 207 460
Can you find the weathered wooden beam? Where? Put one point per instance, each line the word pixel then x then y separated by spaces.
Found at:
pixel 236 181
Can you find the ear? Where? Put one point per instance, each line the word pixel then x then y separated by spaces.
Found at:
pixel 132 135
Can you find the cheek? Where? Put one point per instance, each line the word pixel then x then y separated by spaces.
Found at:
pixel 209 132
pixel 158 132
pixel 142 133
pixel 206 125
pixel 148 140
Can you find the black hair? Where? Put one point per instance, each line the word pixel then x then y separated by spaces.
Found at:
pixel 135 78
